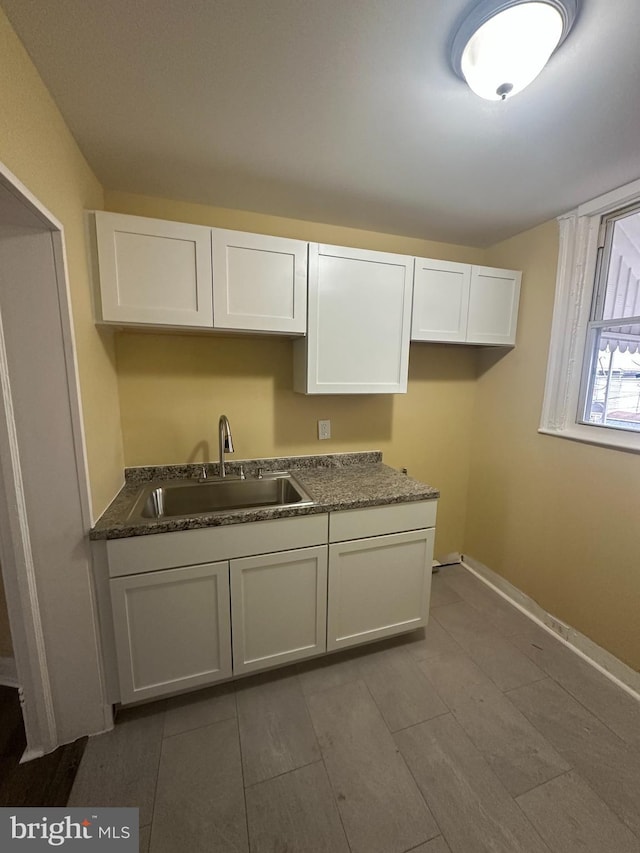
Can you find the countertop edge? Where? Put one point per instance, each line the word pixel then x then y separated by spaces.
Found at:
pixel 335 482
pixel 245 516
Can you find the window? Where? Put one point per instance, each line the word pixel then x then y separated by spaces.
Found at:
pixel 593 376
pixel 611 376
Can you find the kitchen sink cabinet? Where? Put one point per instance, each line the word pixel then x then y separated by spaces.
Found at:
pixel 152 272
pixel 194 607
pixel 173 627
pixel 259 282
pixel 359 317
pixel 171 603
pixel 278 608
pixel 157 273
pixel 460 303
pixel 172 630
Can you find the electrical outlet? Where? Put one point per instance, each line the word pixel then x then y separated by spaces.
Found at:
pixel 324 429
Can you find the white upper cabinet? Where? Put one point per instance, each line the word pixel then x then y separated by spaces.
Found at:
pixel 493 306
pixel 153 272
pixel 359 318
pixel 158 273
pixel 460 303
pixel 259 282
pixel 440 301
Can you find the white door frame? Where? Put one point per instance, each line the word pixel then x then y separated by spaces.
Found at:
pixel 18 569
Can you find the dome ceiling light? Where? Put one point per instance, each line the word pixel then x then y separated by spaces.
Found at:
pixel 502 45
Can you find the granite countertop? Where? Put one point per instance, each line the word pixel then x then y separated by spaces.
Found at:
pixel 334 482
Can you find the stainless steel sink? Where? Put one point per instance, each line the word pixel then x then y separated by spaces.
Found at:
pixel 173 499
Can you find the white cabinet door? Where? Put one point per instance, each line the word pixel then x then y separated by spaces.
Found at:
pixel 279 608
pixel 359 323
pixel 440 301
pixel 378 587
pixel 153 272
pixel 259 282
pixel 172 630
pixel 493 306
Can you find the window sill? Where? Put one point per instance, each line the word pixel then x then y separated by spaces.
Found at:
pixel 602 436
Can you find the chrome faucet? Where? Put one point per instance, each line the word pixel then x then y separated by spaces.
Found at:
pixel 225 442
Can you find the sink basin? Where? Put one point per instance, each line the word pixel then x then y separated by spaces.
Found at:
pixel 187 498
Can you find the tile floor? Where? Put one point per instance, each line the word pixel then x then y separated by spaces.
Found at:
pixel 482 733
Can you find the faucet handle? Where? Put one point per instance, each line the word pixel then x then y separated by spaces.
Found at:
pixel 243 476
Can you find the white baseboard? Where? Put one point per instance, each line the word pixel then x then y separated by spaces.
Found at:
pixel 8 672
pixel 606 663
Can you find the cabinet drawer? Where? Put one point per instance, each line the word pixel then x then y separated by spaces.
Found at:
pixel 379 520
pixel 190 547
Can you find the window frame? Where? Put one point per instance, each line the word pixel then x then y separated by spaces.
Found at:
pixel 597 324
pixel 581 236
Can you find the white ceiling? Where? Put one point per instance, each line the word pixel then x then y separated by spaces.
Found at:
pixel 341 111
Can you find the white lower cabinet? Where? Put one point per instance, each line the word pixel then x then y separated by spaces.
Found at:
pixel 349 577
pixel 172 630
pixel 378 586
pixel 278 608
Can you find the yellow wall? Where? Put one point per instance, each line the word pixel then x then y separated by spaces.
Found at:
pixel 36 145
pixel 173 388
pixel 556 518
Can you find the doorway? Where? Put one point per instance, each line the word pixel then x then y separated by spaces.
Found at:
pixel 44 494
